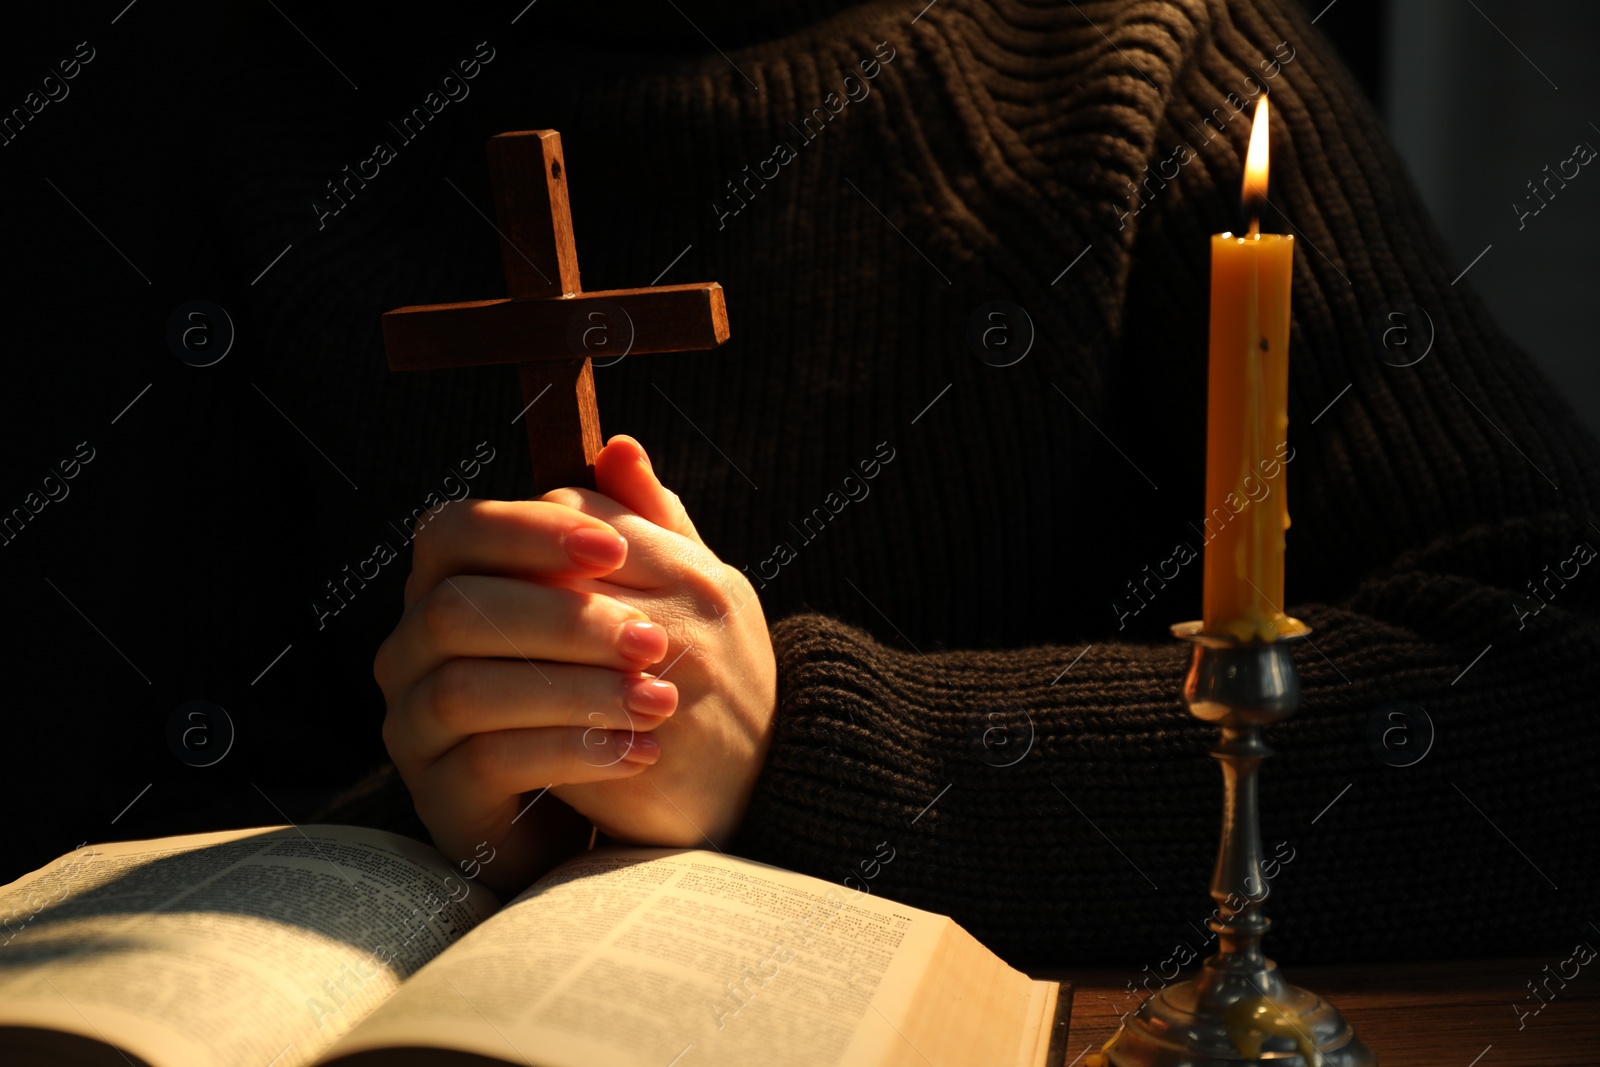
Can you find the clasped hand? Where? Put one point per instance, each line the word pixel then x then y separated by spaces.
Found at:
pixel 587 642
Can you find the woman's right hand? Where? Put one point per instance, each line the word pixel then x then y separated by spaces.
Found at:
pixel 503 678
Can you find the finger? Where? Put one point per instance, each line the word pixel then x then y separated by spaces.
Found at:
pixel 476 616
pixel 469 696
pixel 657 556
pixel 491 778
pixel 622 471
pixel 486 768
pixel 514 538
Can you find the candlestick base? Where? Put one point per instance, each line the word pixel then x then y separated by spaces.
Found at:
pixel 1237 1009
pixel 1182 1026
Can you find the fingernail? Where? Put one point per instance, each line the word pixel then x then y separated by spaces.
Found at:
pixel 641 749
pixel 589 547
pixel 649 696
pixel 643 641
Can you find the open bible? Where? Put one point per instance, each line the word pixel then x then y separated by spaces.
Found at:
pixel 292 946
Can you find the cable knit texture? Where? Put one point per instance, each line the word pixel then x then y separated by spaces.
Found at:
pixel 966 603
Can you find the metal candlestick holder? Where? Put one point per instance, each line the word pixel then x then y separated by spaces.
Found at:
pixel 1237 1009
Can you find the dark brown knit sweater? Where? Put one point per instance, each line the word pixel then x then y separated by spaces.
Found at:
pixel 974 671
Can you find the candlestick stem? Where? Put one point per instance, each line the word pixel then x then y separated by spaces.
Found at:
pixel 1238 883
pixel 1237 1009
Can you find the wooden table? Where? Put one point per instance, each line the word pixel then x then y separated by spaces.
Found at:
pixel 1452 1014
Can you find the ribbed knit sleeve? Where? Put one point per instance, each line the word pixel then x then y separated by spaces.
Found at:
pixel 1057 799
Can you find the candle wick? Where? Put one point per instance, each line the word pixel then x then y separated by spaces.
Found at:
pixel 1255 225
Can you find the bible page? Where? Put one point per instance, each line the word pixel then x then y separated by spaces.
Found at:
pixel 650 957
pixel 235 949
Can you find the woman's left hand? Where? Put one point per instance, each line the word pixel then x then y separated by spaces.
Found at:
pixel 719 656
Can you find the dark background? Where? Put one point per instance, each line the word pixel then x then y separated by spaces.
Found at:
pixel 179 566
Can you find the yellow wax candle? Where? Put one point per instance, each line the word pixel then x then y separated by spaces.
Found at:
pixel 1247 420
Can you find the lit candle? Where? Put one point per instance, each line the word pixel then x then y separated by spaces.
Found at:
pixel 1248 419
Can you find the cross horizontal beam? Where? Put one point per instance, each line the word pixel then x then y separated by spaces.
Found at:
pixel 667 318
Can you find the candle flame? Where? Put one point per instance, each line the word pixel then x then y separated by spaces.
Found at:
pixel 1255 161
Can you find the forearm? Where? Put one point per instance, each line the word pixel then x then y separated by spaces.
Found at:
pixel 1073 816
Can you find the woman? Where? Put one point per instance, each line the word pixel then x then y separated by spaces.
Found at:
pixel 949 680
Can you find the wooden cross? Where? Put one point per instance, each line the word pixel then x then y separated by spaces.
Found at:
pixel 548 325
